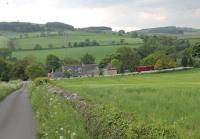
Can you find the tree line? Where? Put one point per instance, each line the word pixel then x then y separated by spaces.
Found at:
pixel 31 27
pixel 161 52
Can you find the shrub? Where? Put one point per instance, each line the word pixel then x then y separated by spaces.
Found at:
pixel 172 63
pixel 151 131
pixel 158 65
pixel 197 63
pixel 5 77
pixel 41 81
pixel 106 122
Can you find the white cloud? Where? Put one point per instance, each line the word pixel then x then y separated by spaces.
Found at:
pixel 119 14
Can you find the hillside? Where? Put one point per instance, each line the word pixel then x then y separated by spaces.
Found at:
pixel 181 32
pixel 168 30
pixel 76 53
pixel 32 27
pixel 96 29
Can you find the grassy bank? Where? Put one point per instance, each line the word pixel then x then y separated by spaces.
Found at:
pixel 56 118
pixel 7 88
pixel 170 97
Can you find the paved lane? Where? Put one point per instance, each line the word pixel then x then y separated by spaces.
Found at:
pixel 16 116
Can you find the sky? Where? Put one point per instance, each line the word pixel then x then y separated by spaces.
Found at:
pixel 118 14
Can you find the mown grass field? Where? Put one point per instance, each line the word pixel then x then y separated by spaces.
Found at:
pixel 170 97
pixel 99 52
pixel 75 36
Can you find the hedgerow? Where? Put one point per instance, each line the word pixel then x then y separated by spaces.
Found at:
pixel 100 121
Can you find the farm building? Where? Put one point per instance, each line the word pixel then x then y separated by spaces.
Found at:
pixel 56 75
pixel 109 70
pixel 82 70
pixel 144 68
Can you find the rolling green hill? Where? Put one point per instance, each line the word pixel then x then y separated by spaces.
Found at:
pixel 73 36
pixel 99 52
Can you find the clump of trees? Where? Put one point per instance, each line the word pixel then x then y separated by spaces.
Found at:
pixel 37 47
pixel 124 59
pixel 85 43
pixel 87 59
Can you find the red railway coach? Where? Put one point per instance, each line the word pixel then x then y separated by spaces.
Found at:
pixel 144 68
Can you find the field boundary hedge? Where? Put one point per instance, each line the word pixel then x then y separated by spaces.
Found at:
pixel 108 122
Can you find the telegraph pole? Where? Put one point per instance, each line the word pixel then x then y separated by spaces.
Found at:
pixel 65 38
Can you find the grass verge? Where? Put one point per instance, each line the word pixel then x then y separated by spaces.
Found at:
pixel 7 88
pixel 55 117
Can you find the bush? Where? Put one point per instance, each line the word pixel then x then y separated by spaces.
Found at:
pixel 158 65
pixel 106 122
pixel 5 77
pixel 151 131
pixel 41 81
pixel 197 63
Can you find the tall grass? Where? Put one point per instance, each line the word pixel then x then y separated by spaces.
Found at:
pixel 170 97
pixel 7 88
pixel 56 118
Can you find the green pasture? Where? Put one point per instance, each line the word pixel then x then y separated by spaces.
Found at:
pixel 173 98
pixel 3 42
pixel 99 52
pixel 60 41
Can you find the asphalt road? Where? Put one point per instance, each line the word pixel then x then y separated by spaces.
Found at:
pixel 17 119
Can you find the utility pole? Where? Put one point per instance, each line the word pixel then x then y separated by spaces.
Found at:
pixel 65 43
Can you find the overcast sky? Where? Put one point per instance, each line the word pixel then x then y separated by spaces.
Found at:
pixel 118 14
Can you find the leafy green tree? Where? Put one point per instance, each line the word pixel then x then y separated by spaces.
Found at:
pixel 35 70
pixel 196 50
pixel 190 61
pixel 184 61
pixel 159 64
pixel 87 42
pixel 94 43
pixel 154 57
pixel 2 65
pixel 70 61
pixel 30 59
pixel 52 63
pixel 5 53
pixel 122 41
pixel 18 70
pixel 172 63
pixel 104 62
pixel 117 64
pixel 5 76
pixel 121 32
pixel 128 57
pixel 88 59
pixel 37 47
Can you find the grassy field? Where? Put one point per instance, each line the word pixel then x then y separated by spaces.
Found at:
pixel 194 41
pixel 3 42
pixel 99 52
pixel 170 97
pixel 59 41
